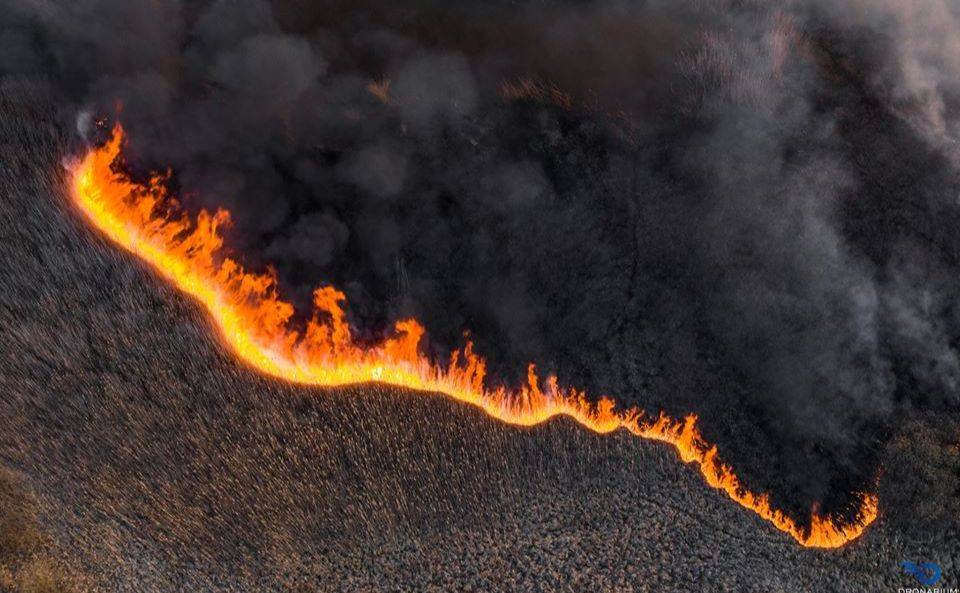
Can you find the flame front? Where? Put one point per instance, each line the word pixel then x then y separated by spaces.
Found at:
pixel 260 328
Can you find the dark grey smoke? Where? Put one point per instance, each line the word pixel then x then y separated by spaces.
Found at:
pixel 747 209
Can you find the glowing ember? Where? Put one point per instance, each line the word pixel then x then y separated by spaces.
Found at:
pixel 259 327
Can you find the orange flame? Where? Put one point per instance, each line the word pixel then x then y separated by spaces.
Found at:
pixel 259 327
pixel 531 90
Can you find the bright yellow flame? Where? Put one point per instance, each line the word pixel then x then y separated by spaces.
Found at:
pixel 259 327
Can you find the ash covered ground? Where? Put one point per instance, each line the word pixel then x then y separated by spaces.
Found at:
pixel 763 234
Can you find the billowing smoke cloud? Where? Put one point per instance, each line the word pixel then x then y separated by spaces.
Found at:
pixel 743 208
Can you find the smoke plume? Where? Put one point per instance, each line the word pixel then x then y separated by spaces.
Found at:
pixel 745 209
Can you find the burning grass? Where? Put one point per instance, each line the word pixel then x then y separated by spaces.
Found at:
pixel 260 328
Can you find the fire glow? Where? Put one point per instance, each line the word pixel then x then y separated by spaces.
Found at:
pixel 259 327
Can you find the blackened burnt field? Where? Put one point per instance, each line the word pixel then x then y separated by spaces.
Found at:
pixel 774 251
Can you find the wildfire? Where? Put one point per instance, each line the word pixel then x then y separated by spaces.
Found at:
pixel 260 328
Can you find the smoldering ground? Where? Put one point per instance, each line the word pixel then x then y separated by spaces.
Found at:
pixel 741 209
